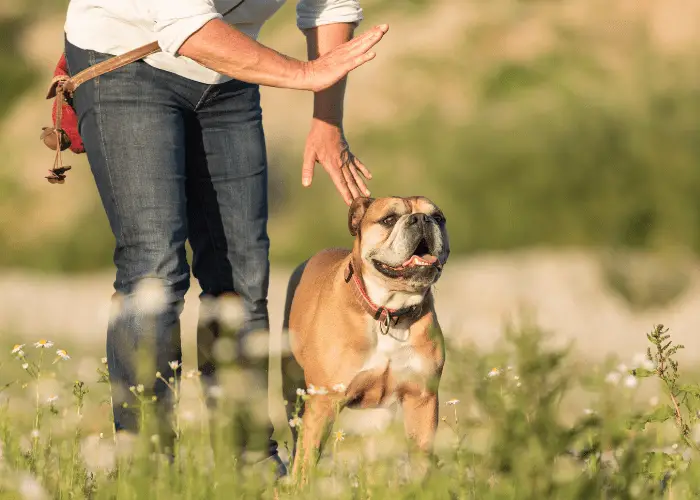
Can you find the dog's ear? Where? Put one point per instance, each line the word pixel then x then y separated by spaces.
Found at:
pixel 357 212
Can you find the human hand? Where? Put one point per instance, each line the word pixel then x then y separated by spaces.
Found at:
pixel 333 66
pixel 326 145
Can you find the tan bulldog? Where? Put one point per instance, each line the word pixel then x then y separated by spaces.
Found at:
pixel 362 324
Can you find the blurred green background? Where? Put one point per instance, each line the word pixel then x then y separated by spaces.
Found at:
pixel 531 122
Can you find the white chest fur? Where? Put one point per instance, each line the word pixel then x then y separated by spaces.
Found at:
pixel 394 350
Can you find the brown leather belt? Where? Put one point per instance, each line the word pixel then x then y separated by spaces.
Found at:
pixel 62 88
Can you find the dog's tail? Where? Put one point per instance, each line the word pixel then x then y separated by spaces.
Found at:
pixel 292 372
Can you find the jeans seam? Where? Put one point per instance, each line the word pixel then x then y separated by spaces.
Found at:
pixel 204 97
pixel 200 201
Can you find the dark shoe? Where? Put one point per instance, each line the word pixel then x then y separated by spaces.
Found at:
pixel 279 467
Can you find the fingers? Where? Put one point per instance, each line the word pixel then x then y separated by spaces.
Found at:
pixel 361 45
pixel 359 181
pixel 374 36
pixel 307 169
pixel 361 167
pixel 351 182
pixel 335 65
pixel 359 61
pixel 358 49
pixel 341 185
pixel 370 38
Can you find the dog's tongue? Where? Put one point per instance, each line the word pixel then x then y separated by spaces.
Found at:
pixel 418 260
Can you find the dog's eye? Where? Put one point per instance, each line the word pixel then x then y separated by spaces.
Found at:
pixel 389 220
pixel 438 218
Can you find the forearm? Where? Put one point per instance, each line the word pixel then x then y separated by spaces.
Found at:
pixel 226 50
pixel 328 103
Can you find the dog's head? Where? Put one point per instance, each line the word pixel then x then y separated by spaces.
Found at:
pixel 402 241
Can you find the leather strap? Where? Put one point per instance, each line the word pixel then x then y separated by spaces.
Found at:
pixel 62 88
pixel 384 315
pixel 70 84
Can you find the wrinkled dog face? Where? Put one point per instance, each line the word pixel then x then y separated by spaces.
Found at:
pixel 402 240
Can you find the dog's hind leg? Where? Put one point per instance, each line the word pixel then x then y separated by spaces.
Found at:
pixel 292 372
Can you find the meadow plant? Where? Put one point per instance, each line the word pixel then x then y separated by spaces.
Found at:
pixel 523 421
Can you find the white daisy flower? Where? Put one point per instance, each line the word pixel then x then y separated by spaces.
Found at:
pixel 301 392
pixel 52 399
pixel 150 296
pixel 61 353
pixel 494 372
pixel 339 436
pixel 613 378
pixel 452 402
pixel 640 360
pixel 174 365
pixel 31 489
pixel 321 391
pixel 17 349
pixel 43 344
pixel 295 422
pixel 630 381
pixel 339 388
pixel 311 390
pixel 216 392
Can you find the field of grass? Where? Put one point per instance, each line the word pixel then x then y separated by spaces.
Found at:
pixel 523 421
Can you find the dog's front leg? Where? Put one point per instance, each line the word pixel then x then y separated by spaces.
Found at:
pixel 421 418
pixel 319 415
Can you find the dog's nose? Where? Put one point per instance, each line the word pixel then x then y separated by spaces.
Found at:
pixel 415 218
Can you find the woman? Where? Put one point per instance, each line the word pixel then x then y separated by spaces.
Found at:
pixel 176 146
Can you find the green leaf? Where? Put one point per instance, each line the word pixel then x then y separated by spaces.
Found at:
pixel 692 389
pixel 643 372
pixel 660 414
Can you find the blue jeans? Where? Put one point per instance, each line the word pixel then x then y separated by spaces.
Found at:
pixel 175 160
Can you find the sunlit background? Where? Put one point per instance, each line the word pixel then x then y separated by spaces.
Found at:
pixel 561 139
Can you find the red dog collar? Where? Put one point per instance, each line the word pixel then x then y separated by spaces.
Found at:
pixel 385 315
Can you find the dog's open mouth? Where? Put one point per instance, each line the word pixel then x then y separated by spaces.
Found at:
pixel 421 257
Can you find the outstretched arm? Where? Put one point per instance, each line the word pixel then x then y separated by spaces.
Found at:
pixel 326 142
pixel 226 50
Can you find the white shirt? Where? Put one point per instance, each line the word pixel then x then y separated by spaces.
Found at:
pixel 117 26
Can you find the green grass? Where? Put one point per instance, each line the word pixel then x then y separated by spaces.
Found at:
pixel 523 421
